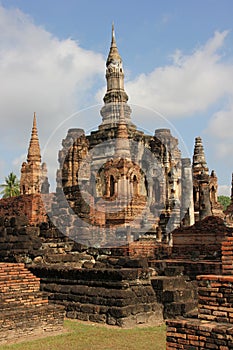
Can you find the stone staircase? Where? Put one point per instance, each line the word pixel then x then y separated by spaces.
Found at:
pixel 176 292
pixel 24 310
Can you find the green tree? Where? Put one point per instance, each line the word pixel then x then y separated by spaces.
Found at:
pixel 225 201
pixel 11 186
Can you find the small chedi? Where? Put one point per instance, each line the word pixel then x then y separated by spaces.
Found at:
pixel 34 178
pixel 33 183
pixel 129 228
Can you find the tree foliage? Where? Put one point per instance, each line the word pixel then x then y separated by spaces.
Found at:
pixel 225 201
pixel 11 186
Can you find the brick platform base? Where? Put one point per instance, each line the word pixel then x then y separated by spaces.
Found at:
pixel 198 334
pixel 118 297
pixel 25 310
pixel 214 327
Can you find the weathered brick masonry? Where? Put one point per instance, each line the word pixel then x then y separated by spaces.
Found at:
pixel 227 256
pixel 122 297
pixel 215 298
pixel 202 241
pixel 29 205
pixel 214 327
pixel 24 310
pixel 198 335
pixel 148 248
pixel 20 242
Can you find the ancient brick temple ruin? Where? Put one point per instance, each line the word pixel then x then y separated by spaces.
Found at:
pixel 117 183
pixel 122 183
pixel 129 229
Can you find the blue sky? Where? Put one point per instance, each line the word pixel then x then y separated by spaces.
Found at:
pixel 177 56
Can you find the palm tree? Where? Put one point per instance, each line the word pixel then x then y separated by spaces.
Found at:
pixel 10 187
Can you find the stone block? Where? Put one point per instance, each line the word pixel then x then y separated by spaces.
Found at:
pixel 82 316
pixel 98 318
pixel 114 293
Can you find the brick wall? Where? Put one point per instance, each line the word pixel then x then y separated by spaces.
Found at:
pixel 143 248
pixel 215 298
pixel 196 335
pixel 30 205
pixel 25 310
pixel 227 256
pixel 200 241
pixel 214 327
pixel 149 248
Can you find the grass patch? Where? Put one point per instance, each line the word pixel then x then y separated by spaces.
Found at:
pixel 94 337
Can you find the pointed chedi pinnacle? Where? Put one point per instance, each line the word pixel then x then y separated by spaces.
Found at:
pixel 34 146
pixel 115 94
pixel 199 161
pixel 113 35
pixel 113 55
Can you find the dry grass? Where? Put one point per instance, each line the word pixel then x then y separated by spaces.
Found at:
pixel 81 336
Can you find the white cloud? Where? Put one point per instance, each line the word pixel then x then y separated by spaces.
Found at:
pixel 219 131
pixel 191 84
pixel 221 123
pixel 40 73
pixel 224 190
pixel 2 169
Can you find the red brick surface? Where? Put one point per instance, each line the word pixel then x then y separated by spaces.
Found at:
pixel 214 327
pixel 198 335
pixel 227 255
pixel 24 309
pixel 30 205
pixel 202 240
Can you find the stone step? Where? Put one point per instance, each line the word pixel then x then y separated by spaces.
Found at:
pixel 15 278
pixel 175 309
pixel 174 270
pixel 169 296
pixel 10 273
pixel 63 258
pixel 17 287
pixel 169 283
pixel 58 247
